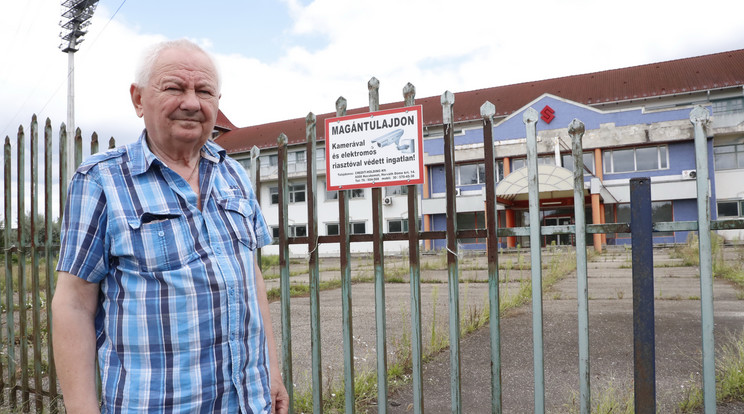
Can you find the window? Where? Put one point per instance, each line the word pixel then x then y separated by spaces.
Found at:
pixel 320 156
pixel 471 221
pixel 518 163
pixel 398 226
pixel 472 174
pixel 274 194
pixel 731 208
pixel 296 193
pixel 332 229
pixel 246 163
pixel 353 193
pixel 357 227
pixel 728 105
pixel 661 211
pixel 636 159
pixel 396 190
pixel 567 161
pixel 273 160
pixel 469 174
pixel 299 230
pixel 729 157
pixel 296 157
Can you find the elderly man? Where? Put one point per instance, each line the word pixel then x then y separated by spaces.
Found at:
pixel 156 269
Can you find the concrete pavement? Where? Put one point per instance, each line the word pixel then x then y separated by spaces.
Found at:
pixel 677 308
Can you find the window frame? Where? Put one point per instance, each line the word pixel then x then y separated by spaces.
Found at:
pixel 403 223
pixel 292 193
pixel 739 208
pixel 654 218
pixel 396 190
pixel 737 152
pixel 351 227
pixel 291 230
pixel 354 193
pixel 662 159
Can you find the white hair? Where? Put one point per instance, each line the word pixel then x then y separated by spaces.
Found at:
pixel 150 56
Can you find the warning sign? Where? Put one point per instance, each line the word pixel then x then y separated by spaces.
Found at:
pixel 376 149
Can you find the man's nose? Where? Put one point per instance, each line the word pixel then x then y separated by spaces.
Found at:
pixel 190 101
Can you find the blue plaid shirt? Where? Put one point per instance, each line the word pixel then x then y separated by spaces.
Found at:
pixel 178 325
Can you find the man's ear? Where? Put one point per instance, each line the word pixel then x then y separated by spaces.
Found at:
pixel 136 95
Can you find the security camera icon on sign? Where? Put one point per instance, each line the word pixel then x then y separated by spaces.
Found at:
pixel 394 137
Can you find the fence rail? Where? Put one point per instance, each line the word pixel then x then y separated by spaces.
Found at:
pixel 28 379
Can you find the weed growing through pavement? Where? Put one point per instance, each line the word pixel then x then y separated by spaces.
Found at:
pixel 729 377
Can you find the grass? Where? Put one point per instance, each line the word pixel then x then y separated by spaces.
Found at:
pixel 400 363
pixel 731 270
pixel 729 377
pixel 730 360
pixel 610 399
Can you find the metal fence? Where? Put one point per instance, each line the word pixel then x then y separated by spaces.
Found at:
pixel 27 373
pixel 30 249
pixel 641 227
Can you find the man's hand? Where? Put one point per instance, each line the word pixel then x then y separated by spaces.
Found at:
pixel 279 396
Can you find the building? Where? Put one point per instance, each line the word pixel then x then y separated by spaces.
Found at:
pixel 637 125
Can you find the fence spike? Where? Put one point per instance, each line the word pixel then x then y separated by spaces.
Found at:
pixel 409 93
pixel 487 110
pixel 341 105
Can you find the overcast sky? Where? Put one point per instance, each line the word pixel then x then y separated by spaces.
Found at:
pixel 281 59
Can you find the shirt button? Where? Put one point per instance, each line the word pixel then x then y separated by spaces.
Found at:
pixel 161 233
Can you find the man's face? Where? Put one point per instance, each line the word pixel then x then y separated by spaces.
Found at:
pixel 179 102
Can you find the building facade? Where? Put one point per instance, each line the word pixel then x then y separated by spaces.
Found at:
pixel 637 125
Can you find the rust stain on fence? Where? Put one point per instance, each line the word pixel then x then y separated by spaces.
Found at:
pixel 28 378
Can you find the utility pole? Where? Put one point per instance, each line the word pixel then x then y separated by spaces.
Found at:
pixel 76 17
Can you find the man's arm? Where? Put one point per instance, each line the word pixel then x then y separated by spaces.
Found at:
pixel 279 396
pixel 73 319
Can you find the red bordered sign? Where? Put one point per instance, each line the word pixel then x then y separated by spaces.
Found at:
pixel 375 149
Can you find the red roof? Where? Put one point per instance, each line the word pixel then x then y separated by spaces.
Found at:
pixel 713 71
pixel 223 123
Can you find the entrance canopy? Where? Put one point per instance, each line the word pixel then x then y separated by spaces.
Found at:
pixel 553 181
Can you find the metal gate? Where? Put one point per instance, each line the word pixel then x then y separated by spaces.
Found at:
pixel 641 227
pixel 27 373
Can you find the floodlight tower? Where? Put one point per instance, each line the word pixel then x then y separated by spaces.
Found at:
pixel 76 16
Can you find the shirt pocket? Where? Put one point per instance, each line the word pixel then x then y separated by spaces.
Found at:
pixel 239 215
pixel 159 241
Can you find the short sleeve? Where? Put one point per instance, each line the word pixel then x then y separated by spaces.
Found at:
pixel 83 232
pixel 260 229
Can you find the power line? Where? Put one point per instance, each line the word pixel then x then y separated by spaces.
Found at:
pixel 107 23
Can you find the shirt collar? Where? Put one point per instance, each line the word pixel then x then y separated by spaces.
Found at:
pixel 142 158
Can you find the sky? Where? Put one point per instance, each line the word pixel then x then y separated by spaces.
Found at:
pixel 281 59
